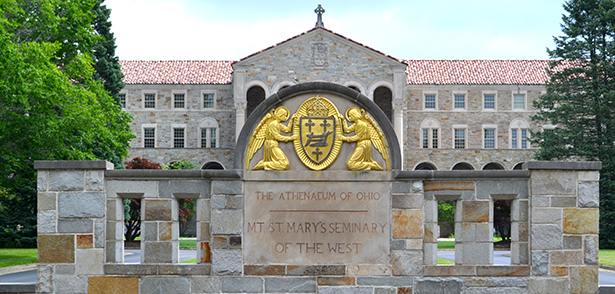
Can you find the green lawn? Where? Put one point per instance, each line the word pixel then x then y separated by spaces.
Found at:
pixel 17 256
pixel 191 260
pixel 187 243
pixel 607 257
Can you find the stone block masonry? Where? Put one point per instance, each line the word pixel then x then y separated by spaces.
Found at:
pixel 392 215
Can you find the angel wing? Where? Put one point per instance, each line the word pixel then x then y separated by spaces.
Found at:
pixel 378 139
pixel 258 138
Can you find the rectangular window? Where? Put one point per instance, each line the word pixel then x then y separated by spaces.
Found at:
pixel 212 138
pixel 489 101
pixel 430 101
pixel 208 138
pixel 208 100
pixel 489 139
pixel 434 138
pixel 178 138
pixel 460 138
pixel 425 138
pixel 460 101
pixel 430 138
pixel 178 101
pixel 149 137
pixel 524 138
pixel 513 139
pixel 519 101
pixel 150 101
pixel 123 100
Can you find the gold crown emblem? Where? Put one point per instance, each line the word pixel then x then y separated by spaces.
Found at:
pixel 317 108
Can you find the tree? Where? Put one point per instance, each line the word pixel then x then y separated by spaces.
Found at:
pixel 132 206
pixel 580 99
pixel 107 65
pixel 51 107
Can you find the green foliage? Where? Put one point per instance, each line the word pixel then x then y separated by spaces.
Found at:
pixel 446 211
pixel 51 106
pixel 580 99
pixel 183 164
pixel 107 65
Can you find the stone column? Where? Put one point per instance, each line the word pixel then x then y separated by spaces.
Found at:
pixel 240 116
pixel 564 226
pixel 226 227
pixel 474 232
pixel 407 229
pixel 159 231
pixel 398 125
pixel 71 213
pixel 239 93
pixel 203 234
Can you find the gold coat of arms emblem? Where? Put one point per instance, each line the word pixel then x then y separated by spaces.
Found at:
pixel 318 132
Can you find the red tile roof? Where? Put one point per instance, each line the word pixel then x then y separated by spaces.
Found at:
pixel 477 72
pixel 177 72
pixel 419 72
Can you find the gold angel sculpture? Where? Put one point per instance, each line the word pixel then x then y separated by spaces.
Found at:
pixel 268 134
pixel 366 133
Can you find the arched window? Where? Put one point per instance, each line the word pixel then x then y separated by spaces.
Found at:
pixel 425 166
pixel 430 134
pixel 255 96
pixel 463 166
pixel 519 166
pixel 383 97
pixel 355 88
pixel 518 134
pixel 209 133
pixel 493 166
pixel 212 165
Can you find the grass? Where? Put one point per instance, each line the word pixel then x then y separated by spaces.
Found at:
pixel 607 257
pixel 191 260
pixel 17 256
pixel 451 244
pixel 445 262
pixel 187 243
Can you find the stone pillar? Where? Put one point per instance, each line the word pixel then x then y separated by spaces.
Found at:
pixel 203 234
pixel 407 229
pixel 226 227
pixel 398 126
pixel 474 232
pixel 114 248
pixel 159 230
pixel 519 246
pixel 239 92
pixel 240 116
pixel 564 224
pixel 71 212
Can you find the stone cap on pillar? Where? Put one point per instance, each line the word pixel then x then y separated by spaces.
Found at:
pixel 563 165
pixel 73 164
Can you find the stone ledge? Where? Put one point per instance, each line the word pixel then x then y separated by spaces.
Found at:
pixel 508 271
pixel 157 269
pixel 140 174
pixel 18 288
pixel 449 270
pixel 455 175
pixel 72 164
pixel 563 165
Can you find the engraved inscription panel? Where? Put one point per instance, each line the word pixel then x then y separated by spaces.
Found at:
pixel 317 223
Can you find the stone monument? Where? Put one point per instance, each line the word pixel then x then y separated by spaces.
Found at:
pixel 317 203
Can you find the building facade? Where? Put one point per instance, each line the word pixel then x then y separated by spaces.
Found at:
pixel 447 114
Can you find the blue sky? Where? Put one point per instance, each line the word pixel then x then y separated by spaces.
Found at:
pixel 411 29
